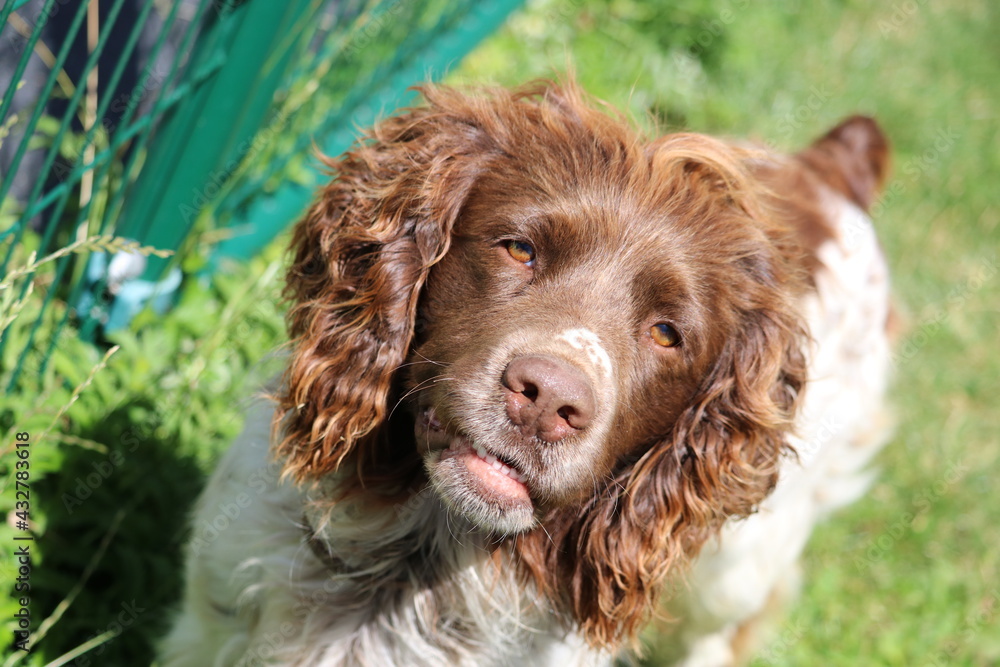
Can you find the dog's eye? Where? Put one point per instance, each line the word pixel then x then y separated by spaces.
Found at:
pixel 665 335
pixel 522 252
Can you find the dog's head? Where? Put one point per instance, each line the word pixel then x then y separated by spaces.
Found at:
pixel 592 337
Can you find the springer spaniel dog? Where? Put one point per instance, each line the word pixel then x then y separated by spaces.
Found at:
pixel 542 367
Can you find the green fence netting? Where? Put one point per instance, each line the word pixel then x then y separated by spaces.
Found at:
pixel 161 121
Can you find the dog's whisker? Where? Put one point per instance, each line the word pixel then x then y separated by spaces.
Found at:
pixel 414 390
pixel 422 360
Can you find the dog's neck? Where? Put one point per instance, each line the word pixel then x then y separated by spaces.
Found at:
pixel 400 527
pixel 402 567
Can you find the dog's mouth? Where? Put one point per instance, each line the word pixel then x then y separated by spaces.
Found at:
pixel 496 476
pixel 487 488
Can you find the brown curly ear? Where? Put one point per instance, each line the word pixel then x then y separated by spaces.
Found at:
pixel 360 258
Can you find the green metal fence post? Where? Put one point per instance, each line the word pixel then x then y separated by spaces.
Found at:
pixel 426 60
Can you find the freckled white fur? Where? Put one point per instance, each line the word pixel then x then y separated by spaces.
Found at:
pixel 841 425
pixel 258 595
pixel 590 344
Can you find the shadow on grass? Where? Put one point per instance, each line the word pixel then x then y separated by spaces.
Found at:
pixel 130 502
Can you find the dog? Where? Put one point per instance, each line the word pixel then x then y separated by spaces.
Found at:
pixel 541 367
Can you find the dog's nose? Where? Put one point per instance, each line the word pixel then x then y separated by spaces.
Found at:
pixel 547 397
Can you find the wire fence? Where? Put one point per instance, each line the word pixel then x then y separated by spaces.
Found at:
pixel 188 126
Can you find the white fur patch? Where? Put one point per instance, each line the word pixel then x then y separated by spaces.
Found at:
pixel 590 343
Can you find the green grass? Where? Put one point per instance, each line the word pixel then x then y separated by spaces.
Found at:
pixel 907 576
pixel 120 448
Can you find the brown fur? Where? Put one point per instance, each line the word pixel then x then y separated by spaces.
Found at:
pixel 384 274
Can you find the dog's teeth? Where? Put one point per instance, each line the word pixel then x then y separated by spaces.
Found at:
pixel 496 464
